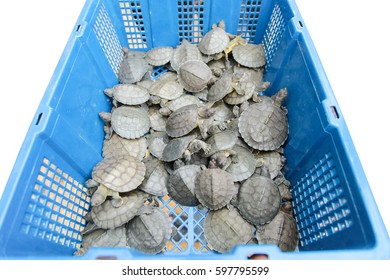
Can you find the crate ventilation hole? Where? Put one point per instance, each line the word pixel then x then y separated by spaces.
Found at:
pixel 320 205
pixel 56 207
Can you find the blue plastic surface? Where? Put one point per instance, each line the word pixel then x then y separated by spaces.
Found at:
pixel 42 208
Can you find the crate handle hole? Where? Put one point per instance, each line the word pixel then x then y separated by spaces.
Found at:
pixel 258 256
pixel 300 23
pixel 39 118
pixel 334 112
pixel 78 27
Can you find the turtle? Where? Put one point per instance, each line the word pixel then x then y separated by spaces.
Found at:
pixel 166 89
pixel 284 186
pixel 194 75
pixel 115 237
pixel 186 119
pixel 127 121
pixel 159 56
pixel 223 140
pixel 114 175
pixel 254 75
pixel 181 185
pixel 221 87
pixel 225 228
pixel 157 141
pixel 214 41
pixel 222 112
pixel 156 177
pixel 107 216
pixel 214 188
pixel 132 69
pixel 263 125
pixel 157 120
pixel 186 99
pixel 243 165
pixel 128 94
pixel 185 51
pixel 150 231
pixel 258 199
pixel 274 161
pixel 250 55
pixel 282 231
pixel 118 146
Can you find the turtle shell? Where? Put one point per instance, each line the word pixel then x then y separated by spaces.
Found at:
pixel 250 55
pixel 181 185
pixel 157 141
pixel 225 228
pixel 214 188
pixel 221 87
pixel 263 126
pixel 185 51
pixel 132 69
pixel 128 94
pixel 130 122
pixel 220 141
pixel 182 121
pixel 159 56
pixel 156 177
pixel 118 146
pixel 258 200
pixel 194 75
pixel 157 121
pixel 106 216
pixel 282 231
pixel 273 160
pixel 149 232
pixel 182 101
pixel 121 174
pixel 176 147
pixel 244 166
pixel 214 41
pixel 167 89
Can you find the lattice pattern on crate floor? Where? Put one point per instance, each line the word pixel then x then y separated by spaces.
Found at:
pixel 133 21
pixel 200 243
pixel 249 17
pixel 179 218
pixel 273 33
pixel 56 207
pixel 190 20
pixel 108 39
pixel 320 205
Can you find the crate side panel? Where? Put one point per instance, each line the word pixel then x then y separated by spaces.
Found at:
pixel 48 215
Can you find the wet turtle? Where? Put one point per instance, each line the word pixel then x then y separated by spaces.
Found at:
pixel 186 119
pixel 157 120
pixel 150 231
pixel 274 161
pixel 263 125
pixel 156 177
pixel 181 185
pixel 250 55
pixel 214 188
pixel 159 56
pixel 184 52
pixel 118 146
pixel 214 41
pixel 128 122
pixel 194 75
pixel 282 231
pixel 107 216
pixel 114 175
pixel 115 237
pixel 225 228
pixel 243 165
pixel 128 94
pixel 157 141
pixel 258 199
pixel 132 69
pixel 166 89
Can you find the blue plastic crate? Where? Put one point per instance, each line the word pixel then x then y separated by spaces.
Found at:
pixel 42 208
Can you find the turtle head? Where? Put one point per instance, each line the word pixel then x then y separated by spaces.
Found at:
pixel 109 92
pixel 280 96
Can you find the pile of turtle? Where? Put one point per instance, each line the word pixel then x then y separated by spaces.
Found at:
pixel 201 133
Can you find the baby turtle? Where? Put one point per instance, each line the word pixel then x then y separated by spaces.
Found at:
pixel 150 231
pixel 224 140
pixel 214 188
pixel 181 185
pixel 225 228
pixel 282 231
pixel 263 125
pixel 249 55
pixel 259 199
pixel 221 87
pixel 118 146
pixel 128 122
pixel 166 89
pixel 186 119
pixel 243 164
pixel 159 56
pixel 157 120
pixel 184 52
pixel 113 238
pixel 156 177
pixel 107 216
pixel 168 107
pixel 127 94
pixel 157 141
pixel 273 160
pixel 114 175
pixel 214 41
pixel 194 75
pixel 132 69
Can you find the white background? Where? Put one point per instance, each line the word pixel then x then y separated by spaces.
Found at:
pixel 350 37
